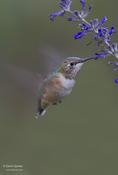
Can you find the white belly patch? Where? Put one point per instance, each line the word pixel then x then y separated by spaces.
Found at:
pixel 67 84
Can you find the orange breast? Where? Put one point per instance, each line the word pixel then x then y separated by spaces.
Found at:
pixel 52 90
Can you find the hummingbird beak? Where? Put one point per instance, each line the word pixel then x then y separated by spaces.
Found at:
pixel 83 60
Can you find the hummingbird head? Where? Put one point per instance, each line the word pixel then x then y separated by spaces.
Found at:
pixel 72 65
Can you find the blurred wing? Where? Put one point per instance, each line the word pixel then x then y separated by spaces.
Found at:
pixel 30 81
pixel 33 81
pixel 51 57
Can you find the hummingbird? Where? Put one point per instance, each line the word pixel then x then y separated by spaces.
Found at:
pixel 60 83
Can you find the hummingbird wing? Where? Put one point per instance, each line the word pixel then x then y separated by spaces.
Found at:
pixel 25 79
pixel 51 57
pixel 19 89
pixel 33 81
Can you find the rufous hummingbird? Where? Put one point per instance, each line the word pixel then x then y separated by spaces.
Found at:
pixel 59 84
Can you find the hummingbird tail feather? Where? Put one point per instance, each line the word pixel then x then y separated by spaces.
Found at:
pixel 40 113
pixel 42 108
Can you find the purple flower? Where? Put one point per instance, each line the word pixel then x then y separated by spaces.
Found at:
pixel 83 3
pixel 84 11
pixel 94 24
pixel 111 31
pixel 79 35
pixel 101 55
pixel 116 80
pixel 74 16
pixel 103 20
pixel 85 27
pixel 55 14
pixel 115 63
pixel 65 4
pixel 102 32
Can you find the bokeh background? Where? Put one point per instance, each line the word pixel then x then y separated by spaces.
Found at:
pixel 79 136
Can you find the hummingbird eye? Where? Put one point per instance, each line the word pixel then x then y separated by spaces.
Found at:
pixel 72 64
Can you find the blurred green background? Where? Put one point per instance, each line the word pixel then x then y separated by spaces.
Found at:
pixel 79 136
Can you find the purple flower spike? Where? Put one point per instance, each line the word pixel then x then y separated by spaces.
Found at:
pixel 102 34
pixel 116 80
